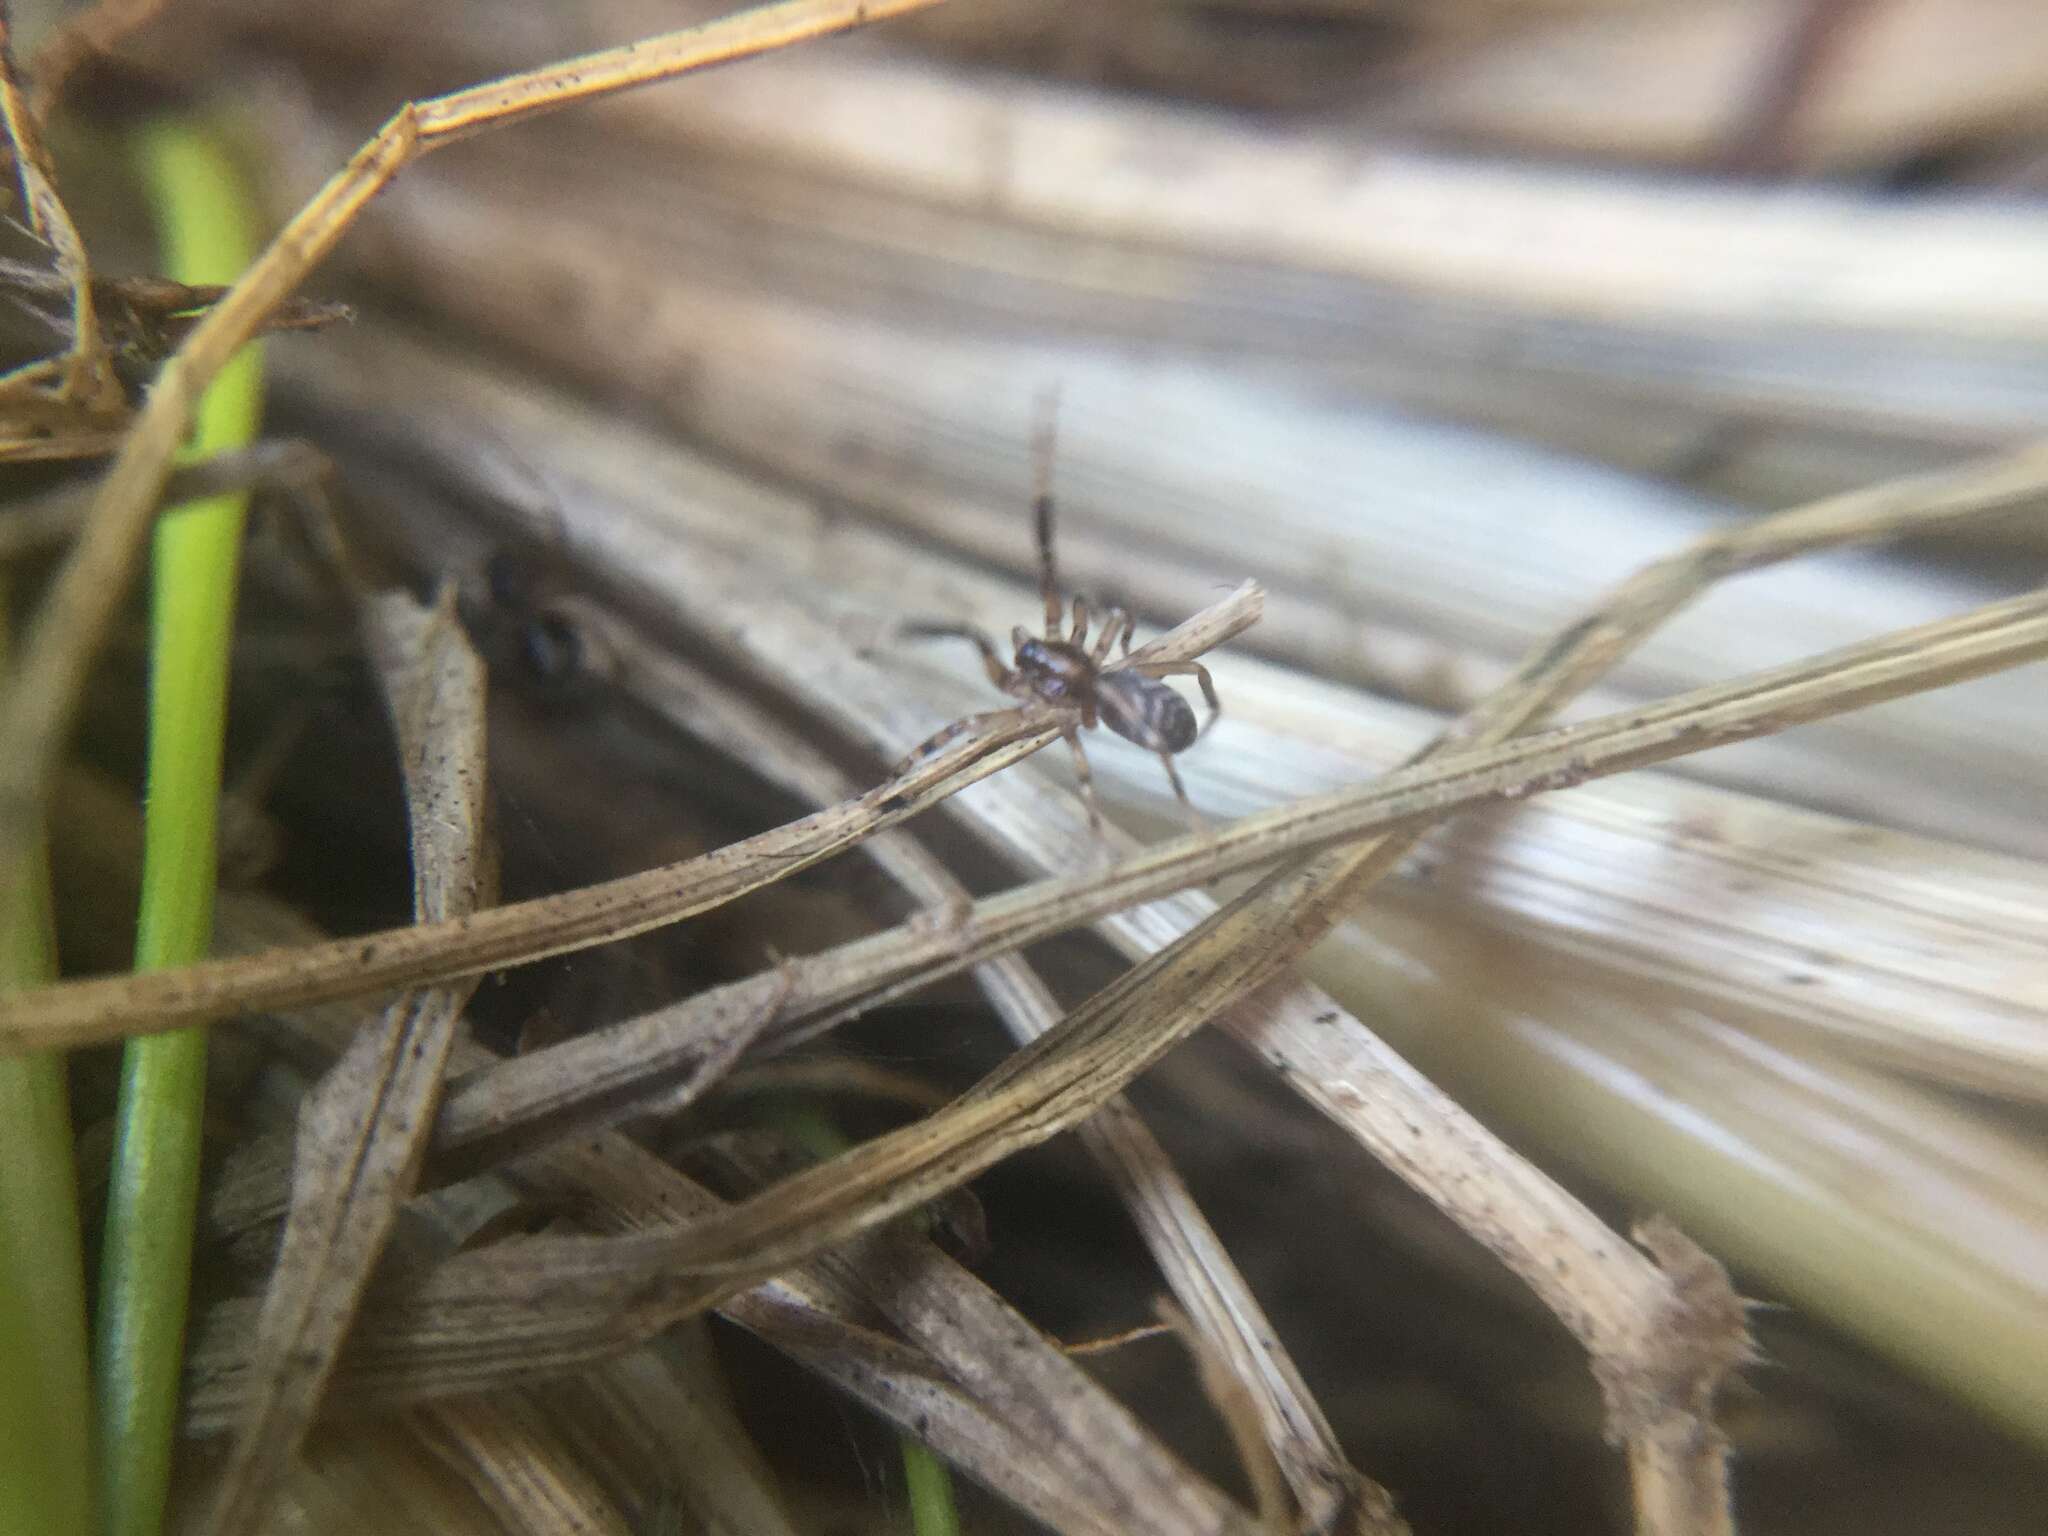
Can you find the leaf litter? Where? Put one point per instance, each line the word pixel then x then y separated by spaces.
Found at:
pixel 1662 1331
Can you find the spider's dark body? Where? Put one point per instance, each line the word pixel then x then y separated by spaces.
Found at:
pixel 1138 708
pixel 1063 671
pixel 1054 671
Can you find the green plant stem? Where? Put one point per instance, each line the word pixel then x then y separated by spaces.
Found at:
pixel 46 1402
pixel 207 236
pixel 930 1486
pixel 927 1481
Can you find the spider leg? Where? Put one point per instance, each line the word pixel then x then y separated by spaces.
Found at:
pixel 1118 624
pixel 1087 778
pixel 1041 511
pixel 991 658
pixel 1199 673
pixel 1180 792
pixel 1078 635
pixel 952 733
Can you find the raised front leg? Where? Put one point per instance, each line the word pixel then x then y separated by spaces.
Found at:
pixel 1041 513
pixel 1180 793
pixel 952 733
pixel 992 659
pixel 1086 775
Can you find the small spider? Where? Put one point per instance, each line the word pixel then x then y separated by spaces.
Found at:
pixel 1064 672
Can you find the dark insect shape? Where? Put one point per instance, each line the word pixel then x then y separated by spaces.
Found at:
pixel 1064 672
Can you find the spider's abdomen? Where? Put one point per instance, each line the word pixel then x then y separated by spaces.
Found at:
pixel 1144 710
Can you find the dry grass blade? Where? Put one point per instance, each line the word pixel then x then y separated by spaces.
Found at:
pixel 530 930
pixel 1843 86
pixel 1661 1330
pixel 1661 1366
pixel 1229 1329
pixel 823 1315
pixel 908 1389
pixel 1922 658
pixel 35 522
pixel 1664 1354
pixel 549 1083
pixel 376 1476
pixel 1950 1211
pixel 1920 507
pixel 1794 375
pixel 1037 1388
pixel 363 1131
pixel 552 1303
pixel 808 1313
pixel 40 698
pixel 1043 1089
pixel 368 964
pixel 503 1449
pixel 1362 1084
pixel 54 434
pixel 141 320
pixel 1027 1380
pixel 1227 1317
pixel 533 1309
pixel 943 475
pixel 1240 1415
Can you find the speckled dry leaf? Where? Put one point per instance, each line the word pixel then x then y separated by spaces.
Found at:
pixel 363 1131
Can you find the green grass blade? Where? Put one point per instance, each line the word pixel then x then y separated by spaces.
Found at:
pixel 46 1404
pixel 929 1483
pixel 208 237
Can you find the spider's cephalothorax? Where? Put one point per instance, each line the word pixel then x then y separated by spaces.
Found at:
pixel 1063 671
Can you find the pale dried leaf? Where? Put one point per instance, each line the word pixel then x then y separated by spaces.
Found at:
pixel 363 1131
